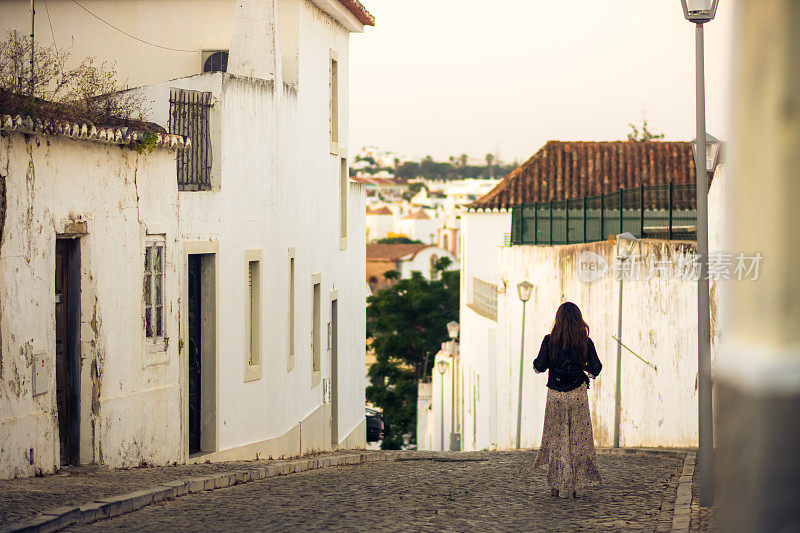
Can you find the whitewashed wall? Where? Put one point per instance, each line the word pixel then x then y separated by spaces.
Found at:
pixel 659 323
pixel 182 29
pixel 379 226
pixel 129 396
pixel 277 187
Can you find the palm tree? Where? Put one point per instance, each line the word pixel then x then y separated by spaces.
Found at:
pixel 489 161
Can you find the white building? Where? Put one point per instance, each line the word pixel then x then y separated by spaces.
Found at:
pixel 87 366
pixel 405 259
pixel 268 254
pixel 420 226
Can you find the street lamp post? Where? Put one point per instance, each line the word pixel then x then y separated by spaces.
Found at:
pixel 623 252
pixel 442 367
pixel 525 289
pixel 699 12
pixel 455 436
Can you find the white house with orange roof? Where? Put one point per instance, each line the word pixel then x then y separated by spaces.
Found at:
pixel 419 225
pixel 268 241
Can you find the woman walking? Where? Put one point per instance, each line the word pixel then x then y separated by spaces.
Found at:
pixel 567 450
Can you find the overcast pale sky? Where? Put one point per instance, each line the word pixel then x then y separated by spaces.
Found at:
pixel 445 77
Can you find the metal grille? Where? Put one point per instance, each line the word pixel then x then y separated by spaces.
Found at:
pixel 484 297
pixel 664 211
pixel 189 116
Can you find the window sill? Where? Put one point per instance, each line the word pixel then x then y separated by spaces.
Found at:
pixel 316 378
pixel 252 373
pixel 481 312
pixel 334 148
pixel 343 243
pixel 155 353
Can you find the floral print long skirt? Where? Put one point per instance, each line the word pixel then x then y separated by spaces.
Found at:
pixel 567 450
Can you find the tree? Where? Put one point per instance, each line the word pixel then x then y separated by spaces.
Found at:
pixel 644 135
pixel 489 161
pixel 89 91
pixel 397 240
pixel 406 325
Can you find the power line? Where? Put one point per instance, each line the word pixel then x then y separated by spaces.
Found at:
pixel 50 21
pixel 129 35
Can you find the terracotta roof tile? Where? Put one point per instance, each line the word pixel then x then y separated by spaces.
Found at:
pixel 381 211
pixel 572 169
pixel 359 11
pixel 392 252
pixel 417 215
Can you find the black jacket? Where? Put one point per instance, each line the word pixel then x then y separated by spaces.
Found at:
pixel 565 372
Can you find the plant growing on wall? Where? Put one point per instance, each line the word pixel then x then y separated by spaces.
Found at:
pixel 406 326
pixel 85 89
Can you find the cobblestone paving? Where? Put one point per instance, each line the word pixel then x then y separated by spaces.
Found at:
pixel 24 498
pixel 484 491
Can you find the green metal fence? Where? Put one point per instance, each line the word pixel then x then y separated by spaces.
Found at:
pixel 649 210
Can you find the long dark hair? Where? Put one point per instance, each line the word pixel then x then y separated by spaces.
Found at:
pixel 570 332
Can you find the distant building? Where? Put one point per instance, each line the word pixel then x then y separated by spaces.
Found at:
pixel 405 259
pixel 490 307
pixel 419 226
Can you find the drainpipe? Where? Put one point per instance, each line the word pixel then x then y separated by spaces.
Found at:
pixel 758 365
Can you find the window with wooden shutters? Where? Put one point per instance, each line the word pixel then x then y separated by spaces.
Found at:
pixel 189 115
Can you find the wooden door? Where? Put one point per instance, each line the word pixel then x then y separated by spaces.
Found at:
pixel 65 395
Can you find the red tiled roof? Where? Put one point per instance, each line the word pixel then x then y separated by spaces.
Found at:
pixel 380 211
pixel 567 169
pixel 392 252
pixel 417 215
pixel 359 11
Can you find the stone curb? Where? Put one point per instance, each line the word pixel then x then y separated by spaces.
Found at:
pixel 642 451
pixel 112 506
pixel 682 513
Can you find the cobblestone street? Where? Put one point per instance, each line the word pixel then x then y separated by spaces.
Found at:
pixel 485 491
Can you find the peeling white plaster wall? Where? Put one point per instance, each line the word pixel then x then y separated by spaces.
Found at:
pixel 128 415
pixel 659 323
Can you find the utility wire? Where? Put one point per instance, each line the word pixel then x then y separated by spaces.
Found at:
pixel 50 21
pixel 129 35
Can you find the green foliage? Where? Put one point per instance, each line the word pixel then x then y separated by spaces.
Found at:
pixel 397 240
pixel 644 135
pixel 453 169
pixel 147 143
pixel 407 324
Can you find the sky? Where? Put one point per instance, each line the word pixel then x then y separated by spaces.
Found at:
pixel 446 77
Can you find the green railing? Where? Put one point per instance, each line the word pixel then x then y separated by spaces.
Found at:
pixel 666 211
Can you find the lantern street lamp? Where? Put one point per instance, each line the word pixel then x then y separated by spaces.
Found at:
pixel 441 366
pixel 713 148
pixel 623 252
pixel 699 12
pixel 524 289
pixel 455 436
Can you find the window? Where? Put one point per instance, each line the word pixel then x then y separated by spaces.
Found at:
pixel 290 364
pixel 315 328
pixel 253 315
pixel 343 192
pixel 215 61
pixel 334 103
pixel 189 113
pixel 484 298
pixel 154 326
